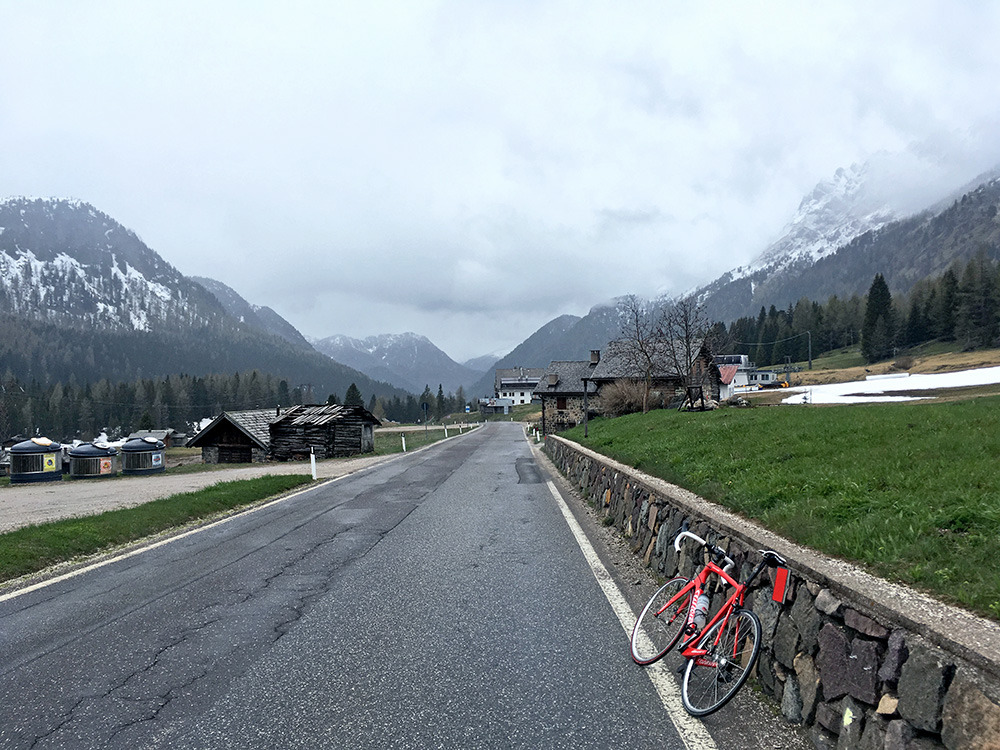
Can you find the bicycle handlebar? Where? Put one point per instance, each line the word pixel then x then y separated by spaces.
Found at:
pixel 716 551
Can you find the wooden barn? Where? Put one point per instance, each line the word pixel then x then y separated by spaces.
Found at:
pixel 329 431
pixel 236 437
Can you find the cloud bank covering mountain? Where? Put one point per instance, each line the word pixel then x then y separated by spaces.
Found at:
pixel 475 167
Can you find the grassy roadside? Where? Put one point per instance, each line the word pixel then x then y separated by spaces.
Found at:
pixel 387 443
pixel 33 548
pixel 909 490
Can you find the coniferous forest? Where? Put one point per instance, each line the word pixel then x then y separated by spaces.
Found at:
pixel 961 306
pixel 74 411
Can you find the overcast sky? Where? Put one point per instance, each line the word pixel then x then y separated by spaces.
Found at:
pixel 470 170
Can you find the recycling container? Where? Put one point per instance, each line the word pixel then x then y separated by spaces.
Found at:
pixel 35 460
pixel 143 456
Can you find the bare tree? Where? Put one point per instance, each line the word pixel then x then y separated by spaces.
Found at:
pixel 683 331
pixel 639 347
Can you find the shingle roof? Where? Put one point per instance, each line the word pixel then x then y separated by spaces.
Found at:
pixel 569 380
pixel 614 366
pixel 252 422
pixel 300 416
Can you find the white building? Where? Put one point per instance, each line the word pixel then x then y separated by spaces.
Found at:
pixel 517 383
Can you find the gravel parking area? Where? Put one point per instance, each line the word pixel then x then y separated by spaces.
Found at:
pixel 26 504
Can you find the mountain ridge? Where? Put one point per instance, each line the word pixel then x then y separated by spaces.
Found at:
pixel 407 360
pixel 83 297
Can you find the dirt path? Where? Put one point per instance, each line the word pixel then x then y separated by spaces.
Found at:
pixel 25 504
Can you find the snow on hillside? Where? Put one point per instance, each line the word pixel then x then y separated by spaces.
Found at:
pixel 833 214
pixel 880 388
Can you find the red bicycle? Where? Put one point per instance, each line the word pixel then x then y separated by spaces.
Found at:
pixel 721 652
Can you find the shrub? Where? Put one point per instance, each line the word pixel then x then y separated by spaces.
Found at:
pixel 622 397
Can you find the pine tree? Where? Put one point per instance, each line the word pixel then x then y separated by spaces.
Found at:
pixel 440 407
pixel 976 311
pixel 878 331
pixel 353 396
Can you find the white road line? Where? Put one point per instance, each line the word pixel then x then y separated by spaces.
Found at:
pixel 141 550
pixel 692 732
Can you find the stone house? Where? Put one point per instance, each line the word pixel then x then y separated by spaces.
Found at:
pixel 561 391
pixel 668 384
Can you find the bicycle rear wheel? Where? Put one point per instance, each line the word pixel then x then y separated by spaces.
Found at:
pixel 711 680
pixel 659 626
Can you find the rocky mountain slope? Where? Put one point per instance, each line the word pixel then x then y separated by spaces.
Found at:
pixel 406 360
pixel 256 316
pixel 857 202
pixel 82 296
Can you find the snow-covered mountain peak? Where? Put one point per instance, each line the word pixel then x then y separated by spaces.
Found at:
pixel 831 215
pixel 65 261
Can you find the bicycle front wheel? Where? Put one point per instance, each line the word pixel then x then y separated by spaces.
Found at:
pixel 711 680
pixel 661 622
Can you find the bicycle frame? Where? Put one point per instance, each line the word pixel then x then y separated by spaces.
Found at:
pixel 722 653
pixel 695 588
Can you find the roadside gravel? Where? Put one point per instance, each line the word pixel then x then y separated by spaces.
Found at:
pixel 26 504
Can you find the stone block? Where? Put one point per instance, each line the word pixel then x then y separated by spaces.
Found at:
pixel 852 722
pixel 862 671
pixel 873 737
pixel 808 680
pixel 649 552
pixel 767 612
pixel 822 739
pixel 864 624
pixel 888 706
pixel 765 675
pixel 895 655
pixel 653 513
pixel 922 684
pixel 807 618
pixel 828 604
pixel 969 720
pixel 786 641
pixel 829 716
pixel 791 701
pixel 832 662
pixel 898 735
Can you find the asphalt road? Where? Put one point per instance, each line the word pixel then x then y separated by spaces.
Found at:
pixel 437 600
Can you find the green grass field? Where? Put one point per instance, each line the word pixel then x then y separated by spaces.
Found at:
pixel 33 548
pixel 911 491
pixel 387 443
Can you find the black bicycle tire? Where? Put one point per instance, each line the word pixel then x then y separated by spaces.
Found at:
pixel 733 685
pixel 645 623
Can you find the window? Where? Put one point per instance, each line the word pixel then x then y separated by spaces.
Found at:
pixel 561 403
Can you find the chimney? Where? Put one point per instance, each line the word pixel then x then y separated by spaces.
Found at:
pixel 553 378
pixel 595 356
pixel 277 410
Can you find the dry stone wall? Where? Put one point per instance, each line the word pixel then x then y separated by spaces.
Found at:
pixel 865 664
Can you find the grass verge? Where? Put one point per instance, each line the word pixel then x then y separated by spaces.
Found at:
pixel 911 491
pixel 387 443
pixel 33 548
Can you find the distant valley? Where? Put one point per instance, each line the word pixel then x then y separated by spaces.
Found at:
pixel 83 298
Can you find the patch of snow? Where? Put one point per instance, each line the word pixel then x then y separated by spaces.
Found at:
pixel 871 391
